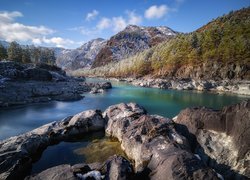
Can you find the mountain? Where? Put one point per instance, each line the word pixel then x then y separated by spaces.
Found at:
pixel 72 59
pixel 4 44
pixel 131 40
pixel 218 50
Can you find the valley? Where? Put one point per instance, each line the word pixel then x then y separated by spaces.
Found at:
pixel 155 92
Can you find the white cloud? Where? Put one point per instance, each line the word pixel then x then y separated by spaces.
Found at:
pixel 134 18
pixel 13 31
pixel 10 30
pixel 118 23
pixel 83 30
pixel 104 23
pixel 156 12
pixel 90 16
pixel 9 16
pixel 57 41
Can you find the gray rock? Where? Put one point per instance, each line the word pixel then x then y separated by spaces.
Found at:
pixel 236 87
pixel 37 74
pixel 118 168
pixel 115 168
pixel 223 137
pixel 21 84
pixel 153 143
pixel 55 173
pixel 96 90
pixel 17 153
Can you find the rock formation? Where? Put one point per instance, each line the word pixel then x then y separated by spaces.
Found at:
pixel 198 144
pixel 222 137
pixel 29 83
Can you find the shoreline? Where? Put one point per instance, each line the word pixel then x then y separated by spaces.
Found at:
pixel 22 84
pixel 236 87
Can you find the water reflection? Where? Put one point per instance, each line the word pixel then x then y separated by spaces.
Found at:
pixel 63 153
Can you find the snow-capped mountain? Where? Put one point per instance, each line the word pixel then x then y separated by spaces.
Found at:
pixel 131 40
pixel 82 57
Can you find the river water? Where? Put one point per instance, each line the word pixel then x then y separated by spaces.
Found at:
pixel 168 103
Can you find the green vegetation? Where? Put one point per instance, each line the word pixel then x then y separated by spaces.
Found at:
pixel 3 52
pixel 27 54
pixel 224 40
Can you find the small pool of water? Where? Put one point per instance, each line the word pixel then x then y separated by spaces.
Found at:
pixel 94 147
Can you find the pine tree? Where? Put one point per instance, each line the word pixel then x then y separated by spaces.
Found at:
pixel 15 52
pixel 3 52
pixel 26 57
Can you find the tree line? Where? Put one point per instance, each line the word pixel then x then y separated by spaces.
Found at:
pixel 27 54
pixel 224 40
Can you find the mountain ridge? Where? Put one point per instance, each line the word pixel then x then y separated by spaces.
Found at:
pixel 216 51
pixel 131 40
pixel 82 57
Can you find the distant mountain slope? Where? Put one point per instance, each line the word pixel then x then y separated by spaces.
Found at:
pixel 131 40
pixel 4 43
pixel 81 57
pixel 219 50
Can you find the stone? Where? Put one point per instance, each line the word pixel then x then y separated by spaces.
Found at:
pixel 17 153
pixel 28 83
pixel 55 173
pixel 96 90
pixel 152 142
pixel 185 147
pixel 222 137
pixel 115 168
pixel 38 74
pixel 118 168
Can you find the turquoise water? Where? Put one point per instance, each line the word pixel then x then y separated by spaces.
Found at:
pixel 168 103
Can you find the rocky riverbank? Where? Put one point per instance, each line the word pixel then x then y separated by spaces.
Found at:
pixel 241 87
pixel 29 83
pixel 198 144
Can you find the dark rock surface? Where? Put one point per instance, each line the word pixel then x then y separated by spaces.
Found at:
pixel 191 146
pixel 29 83
pixel 222 137
pixel 153 143
pixel 17 153
pixel 115 168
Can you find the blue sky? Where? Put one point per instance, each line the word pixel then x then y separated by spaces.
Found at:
pixel 69 23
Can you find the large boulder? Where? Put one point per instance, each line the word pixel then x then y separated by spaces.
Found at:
pixel 115 168
pixel 222 137
pixel 12 70
pixel 153 143
pixel 118 168
pixel 17 153
pixel 38 74
pixel 52 68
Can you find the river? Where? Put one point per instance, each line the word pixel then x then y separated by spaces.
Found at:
pixel 168 103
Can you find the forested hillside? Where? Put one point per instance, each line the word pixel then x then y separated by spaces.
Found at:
pixel 27 54
pixel 220 49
